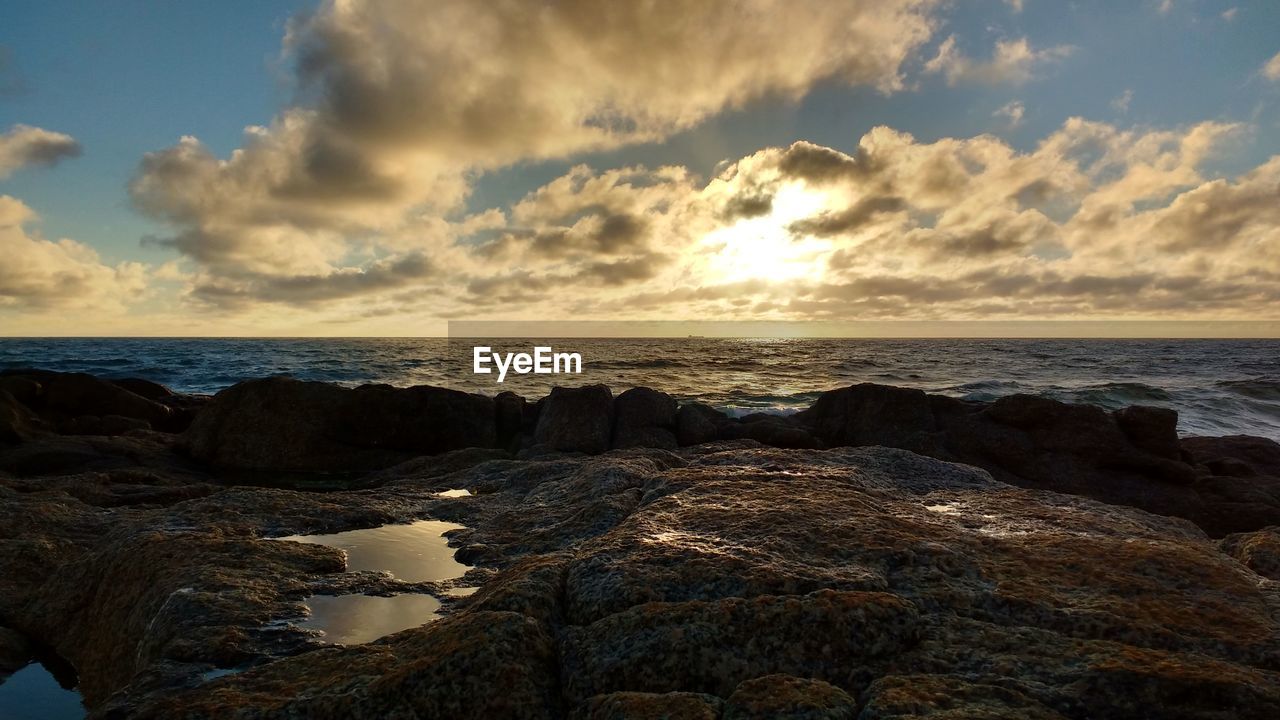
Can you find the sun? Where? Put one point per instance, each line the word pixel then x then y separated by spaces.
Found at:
pixel 763 248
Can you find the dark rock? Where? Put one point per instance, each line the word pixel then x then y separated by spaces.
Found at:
pixel 697 423
pixel 1235 455
pixel 790 698
pixel 16 423
pixel 72 395
pixel 147 389
pixel 644 418
pixel 942 697
pixel 286 424
pixel 650 706
pixel 576 419
pixel 511 411
pixel 773 430
pixel 15 652
pixel 1152 429
pixel 869 414
pixel 23 389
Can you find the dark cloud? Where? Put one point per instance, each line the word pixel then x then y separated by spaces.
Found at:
pixel 26 146
pixel 849 219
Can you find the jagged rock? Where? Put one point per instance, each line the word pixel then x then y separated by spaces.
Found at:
pixel 650 706
pixel 285 424
pixel 697 423
pixel 644 418
pixel 511 410
pixel 784 697
pixel 576 419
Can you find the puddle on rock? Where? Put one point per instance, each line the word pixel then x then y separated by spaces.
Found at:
pixel 33 693
pixel 355 619
pixel 454 493
pixel 413 552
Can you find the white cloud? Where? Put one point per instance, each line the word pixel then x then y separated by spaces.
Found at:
pixel 1012 62
pixel 25 146
pixel 1121 102
pixel 405 102
pixel 1012 111
pixel 1271 70
pixel 39 274
pixel 1230 13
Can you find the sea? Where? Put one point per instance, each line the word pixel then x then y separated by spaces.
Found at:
pixel 1218 387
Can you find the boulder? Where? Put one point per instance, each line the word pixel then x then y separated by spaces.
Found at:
pixel 870 414
pixel 145 388
pixel 285 424
pixel 71 395
pixel 644 418
pixel 1259 551
pixel 698 423
pixel 773 430
pixel 1235 455
pixel 1152 429
pixel 792 698
pixel 576 419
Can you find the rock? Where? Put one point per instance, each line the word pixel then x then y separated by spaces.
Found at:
pixel 16 423
pixel 23 389
pixel 576 419
pixel 773 430
pixel 1129 457
pixel 697 423
pixel 1235 455
pixel 869 414
pixel 15 652
pixel 145 388
pixel 70 395
pixel 712 646
pixel 650 706
pixel 1259 551
pixel 1152 429
pixel 942 697
pixel 510 422
pixel 284 424
pixel 644 418
pixel 784 697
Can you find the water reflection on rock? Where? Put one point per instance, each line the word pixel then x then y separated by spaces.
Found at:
pixel 355 619
pixel 413 552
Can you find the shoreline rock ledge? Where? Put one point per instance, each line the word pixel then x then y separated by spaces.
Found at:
pixel 884 555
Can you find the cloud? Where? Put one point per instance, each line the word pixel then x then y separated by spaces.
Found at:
pixel 1122 101
pixel 1230 13
pixel 1012 111
pixel 25 146
pixel 1012 62
pixel 43 275
pixel 401 104
pixel 1271 70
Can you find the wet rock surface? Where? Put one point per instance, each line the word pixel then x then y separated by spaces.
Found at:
pixel 723 580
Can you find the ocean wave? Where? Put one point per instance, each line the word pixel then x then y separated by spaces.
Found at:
pixel 1258 388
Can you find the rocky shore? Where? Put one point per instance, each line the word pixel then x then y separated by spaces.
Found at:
pixel 884 554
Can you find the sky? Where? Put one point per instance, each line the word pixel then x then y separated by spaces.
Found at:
pixel 369 167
